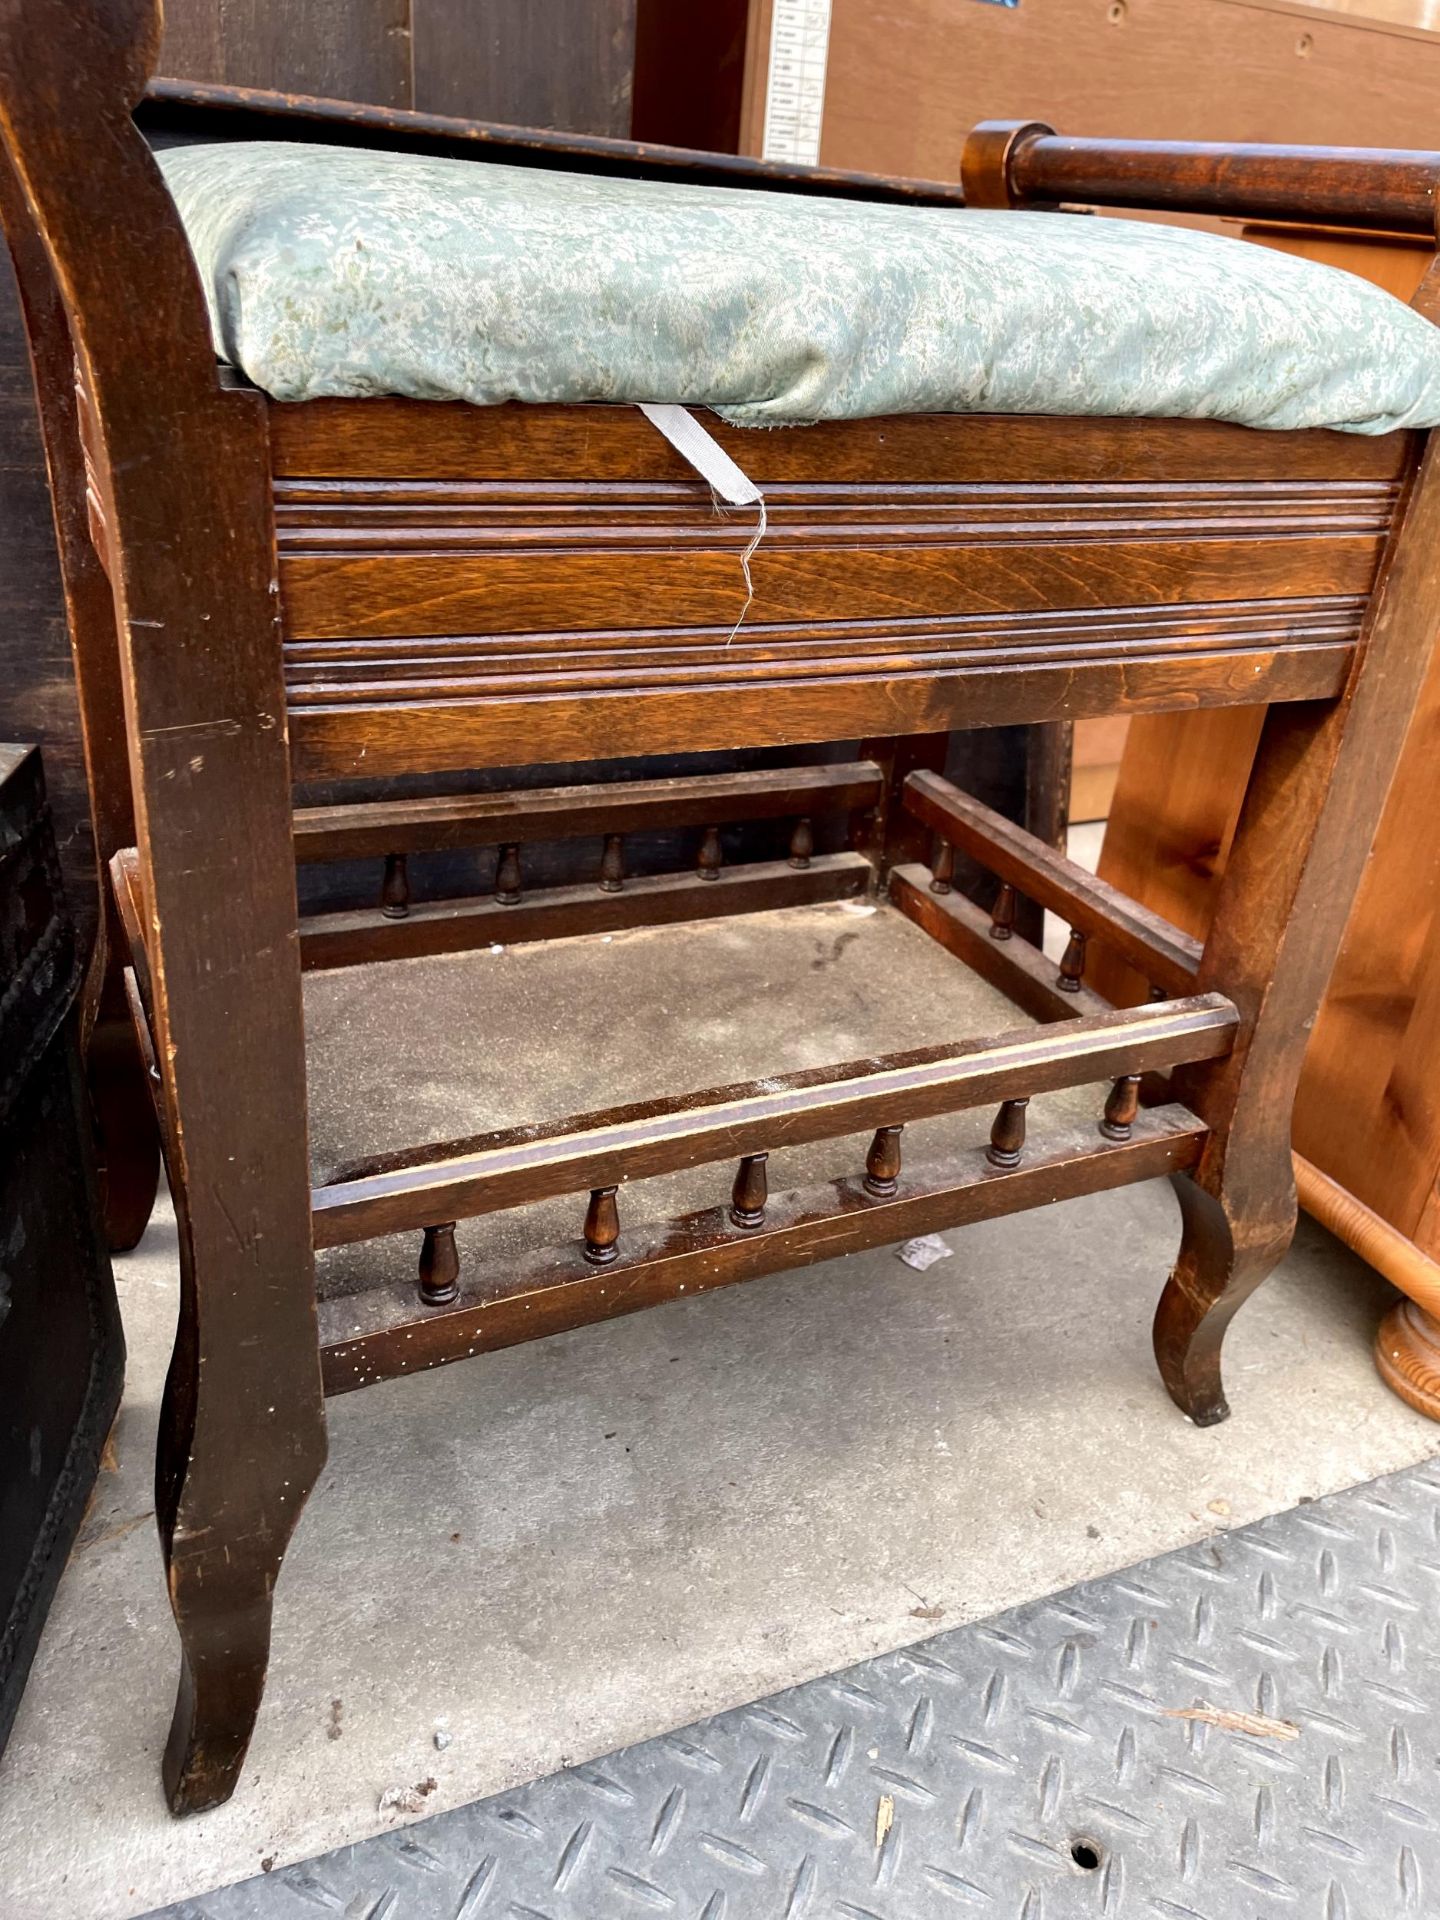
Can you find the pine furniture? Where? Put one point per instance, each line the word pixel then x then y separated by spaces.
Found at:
pixel 251 608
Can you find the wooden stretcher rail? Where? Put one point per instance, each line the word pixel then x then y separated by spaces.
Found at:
pixel 1376 188
pixel 378 1335
pixel 362 934
pixel 380 827
pixel 459 1180
pixel 1165 955
pixel 190 109
pixel 1019 970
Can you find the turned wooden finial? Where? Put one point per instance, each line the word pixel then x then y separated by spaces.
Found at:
pixel 439 1266
pixel 988 161
pixel 711 857
pixel 1121 1108
pixel 1072 964
pixel 1002 918
pixel 750 1192
pixel 942 867
pixel 612 863
pixel 507 877
pixel 802 842
pixel 602 1227
pixel 882 1163
pixel 1007 1135
pixel 395 887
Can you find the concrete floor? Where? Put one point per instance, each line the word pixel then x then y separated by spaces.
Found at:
pixel 568 1547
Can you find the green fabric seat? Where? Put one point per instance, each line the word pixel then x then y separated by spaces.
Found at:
pixel 344 272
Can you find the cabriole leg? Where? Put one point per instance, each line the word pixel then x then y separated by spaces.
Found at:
pixel 1222 1261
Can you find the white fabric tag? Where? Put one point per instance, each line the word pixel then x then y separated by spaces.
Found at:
pixel 704 452
pixel 710 460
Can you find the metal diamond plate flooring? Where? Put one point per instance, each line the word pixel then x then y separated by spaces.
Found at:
pixel 1034 1766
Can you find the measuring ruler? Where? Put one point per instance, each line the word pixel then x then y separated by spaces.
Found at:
pixel 795 87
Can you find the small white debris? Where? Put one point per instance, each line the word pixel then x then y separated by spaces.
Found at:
pixel 922 1254
pixel 443 1737
pixel 862 908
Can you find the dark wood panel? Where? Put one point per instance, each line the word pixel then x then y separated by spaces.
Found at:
pixel 690 73
pixel 566 63
pixel 381 827
pixel 350 939
pixel 413 440
pixel 437 735
pixel 345 49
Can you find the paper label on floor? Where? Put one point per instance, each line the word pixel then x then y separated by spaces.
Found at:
pixel 922 1254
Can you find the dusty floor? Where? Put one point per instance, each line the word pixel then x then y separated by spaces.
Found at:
pixel 567 1547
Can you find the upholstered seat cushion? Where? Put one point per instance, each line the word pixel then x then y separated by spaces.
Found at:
pixel 344 272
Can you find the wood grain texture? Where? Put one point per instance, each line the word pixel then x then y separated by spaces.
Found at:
pixel 350 49
pixel 906 77
pixel 1168 957
pixel 488 599
pixel 378 828
pixel 553 913
pixel 568 63
pixel 1021 971
pixel 379 1336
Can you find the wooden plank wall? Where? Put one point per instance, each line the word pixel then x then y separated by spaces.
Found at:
pixel 566 63
pixel 907 78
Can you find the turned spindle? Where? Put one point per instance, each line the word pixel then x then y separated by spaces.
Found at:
pixel 710 858
pixel 439 1266
pixel 802 842
pixel 1072 964
pixel 612 864
pixel 750 1192
pixel 1121 1108
pixel 602 1227
pixel 395 888
pixel 1002 918
pixel 1007 1135
pixel 507 877
pixel 942 867
pixel 882 1163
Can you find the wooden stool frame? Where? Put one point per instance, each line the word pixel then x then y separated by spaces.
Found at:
pixel 261 595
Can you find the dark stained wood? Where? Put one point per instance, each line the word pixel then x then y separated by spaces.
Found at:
pixel 1072 962
pixel 1165 954
pixel 543 813
pixel 600 1239
pixel 1322 769
pixel 551 913
pixel 612 864
pixel 1335 187
pixel 568 63
pixel 357 49
pixel 690 73
pixel 1121 1106
pixel 1018 969
pixel 187 109
pixel 882 1164
pixel 465 1178
pixel 342 590
pixel 750 1192
pixel 376 1336
pixel 395 888
pixel 439 1276
pixel 1007 1135
pixel 180 471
